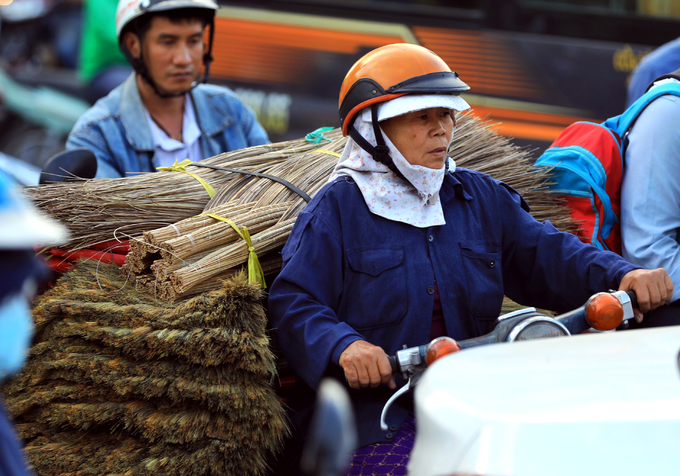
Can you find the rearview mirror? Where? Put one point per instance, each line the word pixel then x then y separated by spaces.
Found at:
pixel 69 166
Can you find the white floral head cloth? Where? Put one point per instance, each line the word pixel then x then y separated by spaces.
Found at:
pixel 413 199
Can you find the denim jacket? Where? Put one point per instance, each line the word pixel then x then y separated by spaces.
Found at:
pixel 117 131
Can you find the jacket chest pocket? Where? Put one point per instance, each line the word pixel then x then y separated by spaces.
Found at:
pixel 375 290
pixel 483 272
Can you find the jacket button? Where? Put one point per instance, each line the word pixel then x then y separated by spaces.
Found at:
pixel 393 428
pixel 492 264
pixel 430 290
pixel 430 238
pixel 389 436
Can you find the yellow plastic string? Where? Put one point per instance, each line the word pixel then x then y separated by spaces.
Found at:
pixel 181 167
pixel 255 273
pixel 335 154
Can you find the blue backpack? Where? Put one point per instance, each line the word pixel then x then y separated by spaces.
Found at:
pixel 587 170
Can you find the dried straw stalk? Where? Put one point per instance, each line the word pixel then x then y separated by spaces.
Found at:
pixel 220 233
pixel 271 264
pixel 182 227
pixel 162 268
pixel 96 210
pixel 184 279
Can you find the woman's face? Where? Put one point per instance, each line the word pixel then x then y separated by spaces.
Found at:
pixel 422 137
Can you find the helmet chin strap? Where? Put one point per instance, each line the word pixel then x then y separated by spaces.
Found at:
pixel 380 152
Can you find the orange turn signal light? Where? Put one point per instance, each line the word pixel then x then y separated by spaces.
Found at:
pixel 440 347
pixel 604 312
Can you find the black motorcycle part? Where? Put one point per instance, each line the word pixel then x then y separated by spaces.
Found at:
pixel 70 166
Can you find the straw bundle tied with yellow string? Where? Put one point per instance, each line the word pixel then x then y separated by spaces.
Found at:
pixel 96 211
pixel 119 383
pixel 264 207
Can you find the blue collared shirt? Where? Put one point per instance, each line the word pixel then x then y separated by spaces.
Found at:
pixel 650 192
pixel 349 275
pixel 117 131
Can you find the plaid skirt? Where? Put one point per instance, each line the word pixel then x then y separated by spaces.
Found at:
pixel 381 459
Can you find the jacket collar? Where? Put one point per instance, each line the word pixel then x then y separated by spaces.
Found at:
pixel 451 188
pixel 211 117
pixel 133 116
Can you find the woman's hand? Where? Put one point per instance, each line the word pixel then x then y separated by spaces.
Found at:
pixel 366 365
pixel 652 286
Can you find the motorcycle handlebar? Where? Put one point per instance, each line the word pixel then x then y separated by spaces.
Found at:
pixel 394 364
pixel 574 321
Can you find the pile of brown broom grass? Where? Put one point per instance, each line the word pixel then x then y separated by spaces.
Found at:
pixel 119 383
pixel 176 251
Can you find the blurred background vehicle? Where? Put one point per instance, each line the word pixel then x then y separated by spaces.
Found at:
pixel 39 93
pixel 535 66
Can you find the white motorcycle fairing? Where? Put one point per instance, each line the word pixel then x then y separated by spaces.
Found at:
pixel 594 404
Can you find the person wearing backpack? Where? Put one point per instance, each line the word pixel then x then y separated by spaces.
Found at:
pixel 650 194
pixel 588 162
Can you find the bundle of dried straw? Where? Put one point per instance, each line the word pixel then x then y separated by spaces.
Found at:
pixel 119 383
pixel 191 252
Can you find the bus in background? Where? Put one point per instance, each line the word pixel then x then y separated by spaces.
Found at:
pixel 534 66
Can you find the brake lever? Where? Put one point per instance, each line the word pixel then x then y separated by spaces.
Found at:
pixel 395 395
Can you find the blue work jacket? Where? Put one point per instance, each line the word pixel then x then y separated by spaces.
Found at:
pixel 349 274
pixel 116 128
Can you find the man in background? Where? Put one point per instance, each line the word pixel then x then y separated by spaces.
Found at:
pixel 163 112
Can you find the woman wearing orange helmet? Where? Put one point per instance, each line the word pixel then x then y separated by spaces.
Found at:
pixel 401 247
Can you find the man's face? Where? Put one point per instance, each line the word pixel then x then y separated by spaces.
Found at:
pixel 173 52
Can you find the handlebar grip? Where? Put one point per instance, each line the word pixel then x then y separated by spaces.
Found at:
pixel 393 363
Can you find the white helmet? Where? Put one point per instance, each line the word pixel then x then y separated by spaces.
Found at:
pixel 22 226
pixel 129 10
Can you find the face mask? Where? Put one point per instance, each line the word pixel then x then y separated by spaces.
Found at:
pixel 16 330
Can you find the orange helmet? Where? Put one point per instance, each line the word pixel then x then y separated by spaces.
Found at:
pixel 392 71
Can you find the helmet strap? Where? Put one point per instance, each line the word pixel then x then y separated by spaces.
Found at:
pixel 380 152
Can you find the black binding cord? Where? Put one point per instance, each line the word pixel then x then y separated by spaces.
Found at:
pixel 295 189
pixel 380 152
